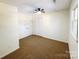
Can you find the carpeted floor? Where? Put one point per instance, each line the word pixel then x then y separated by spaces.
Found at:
pixel 36 47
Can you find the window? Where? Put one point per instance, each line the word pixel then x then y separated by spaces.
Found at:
pixel 75 23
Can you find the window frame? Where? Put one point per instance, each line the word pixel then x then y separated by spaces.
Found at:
pixel 75 35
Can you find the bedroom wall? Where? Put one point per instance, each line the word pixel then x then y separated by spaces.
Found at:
pixel 8 29
pixel 25 24
pixel 52 25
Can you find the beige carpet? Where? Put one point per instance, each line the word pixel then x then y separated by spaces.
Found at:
pixel 36 47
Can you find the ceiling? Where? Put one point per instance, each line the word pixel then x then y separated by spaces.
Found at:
pixel 30 5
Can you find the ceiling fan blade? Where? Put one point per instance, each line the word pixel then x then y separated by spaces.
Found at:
pixel 42 10
pixel 36 10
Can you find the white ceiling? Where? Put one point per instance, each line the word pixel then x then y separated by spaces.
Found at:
pixel 30 5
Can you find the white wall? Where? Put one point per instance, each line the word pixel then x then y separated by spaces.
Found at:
pixel 73 45
pixel 52 25
pixel 8 29
pixel 25 24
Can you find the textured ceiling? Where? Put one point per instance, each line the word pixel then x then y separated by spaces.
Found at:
pixel 30 5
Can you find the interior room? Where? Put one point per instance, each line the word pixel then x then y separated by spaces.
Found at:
pixel 38 29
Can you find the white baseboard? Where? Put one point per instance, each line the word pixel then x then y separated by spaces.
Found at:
pixel 24 36
pixel 50 38
pixel 8 52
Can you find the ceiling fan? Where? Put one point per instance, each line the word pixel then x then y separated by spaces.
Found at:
pixel 39 10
